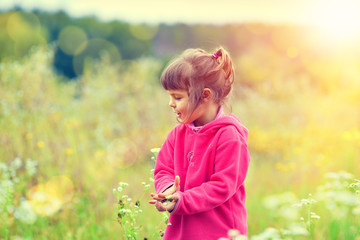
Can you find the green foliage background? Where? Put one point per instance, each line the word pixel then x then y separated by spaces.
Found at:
pixel 299 98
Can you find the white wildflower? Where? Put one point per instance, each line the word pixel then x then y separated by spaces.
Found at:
pixel 241 237
pixel 6 193
pixel 297 229
pixel 306 201
pixel 339 175
pixel 30 166
pixel 124 210
pixel 3 167
pixel 274 201
pixel 12 172
pixel 17 238
pixel 16 164
pixel 314 216
pixel 356 210
pixel 25 213
pixel 10 208
pixel 155 150
pixel 233 233
pixel 269 233
pixel 123 184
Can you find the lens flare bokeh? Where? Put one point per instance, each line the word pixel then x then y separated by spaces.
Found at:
pixel 122 153
pixel 143 32
pixel 72 40
pixel 95 50
pixel 48 198
pixel 25 30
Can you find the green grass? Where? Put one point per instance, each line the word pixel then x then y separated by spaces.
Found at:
pixel 86 136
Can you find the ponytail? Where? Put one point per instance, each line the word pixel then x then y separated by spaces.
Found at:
pixel 225 63
pixel 222 57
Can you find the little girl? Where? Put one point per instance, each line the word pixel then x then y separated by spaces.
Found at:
pixel 201 167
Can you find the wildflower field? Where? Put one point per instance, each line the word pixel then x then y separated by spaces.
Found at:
pixel 76 156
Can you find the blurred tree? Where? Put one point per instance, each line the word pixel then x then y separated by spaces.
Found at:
pixel 259 47
pixel 6 44
pixel 64 63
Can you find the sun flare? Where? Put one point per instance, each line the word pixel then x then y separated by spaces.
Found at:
pixel 339 19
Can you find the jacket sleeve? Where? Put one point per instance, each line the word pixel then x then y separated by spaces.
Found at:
pixel 231 165
pixel 164 173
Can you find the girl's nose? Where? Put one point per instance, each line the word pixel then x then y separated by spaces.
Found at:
pixel 171 103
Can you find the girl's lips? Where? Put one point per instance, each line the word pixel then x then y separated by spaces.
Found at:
pixel 178 114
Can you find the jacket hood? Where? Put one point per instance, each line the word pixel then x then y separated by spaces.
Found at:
pixel 229 119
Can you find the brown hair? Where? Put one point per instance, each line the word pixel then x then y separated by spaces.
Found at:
pixel 195 69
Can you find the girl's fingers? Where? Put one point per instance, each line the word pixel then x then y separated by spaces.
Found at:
pixel 175 197
pixel 177 183
pixel 169 207
pixel 160 207
pixel 161 195
pixel 157 196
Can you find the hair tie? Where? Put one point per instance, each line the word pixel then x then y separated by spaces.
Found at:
pixel 215 55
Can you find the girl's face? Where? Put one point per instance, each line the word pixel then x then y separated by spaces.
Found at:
pixel 205 112
pixel 179 102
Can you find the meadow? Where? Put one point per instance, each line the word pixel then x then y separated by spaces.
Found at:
pixel 71 150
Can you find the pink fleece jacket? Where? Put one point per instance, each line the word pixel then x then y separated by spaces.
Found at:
pixel 212 164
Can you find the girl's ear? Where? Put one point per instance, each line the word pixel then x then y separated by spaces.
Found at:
pixel 206 96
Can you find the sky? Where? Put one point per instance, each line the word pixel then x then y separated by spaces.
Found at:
pixel 188 11
pixel 338 17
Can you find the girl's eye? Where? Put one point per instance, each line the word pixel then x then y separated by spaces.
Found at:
pixel 177 98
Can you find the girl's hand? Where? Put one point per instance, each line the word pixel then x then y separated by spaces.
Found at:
pixel 166 200
pixel 168 204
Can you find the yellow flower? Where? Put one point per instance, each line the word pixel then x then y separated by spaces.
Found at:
pixel 40 144
pixel 292 166
pixel 280 166
pixel 99 153
pixel 72 123
pixel 56 116
pixel 69 151
pixel 28 136
pixel 285 167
